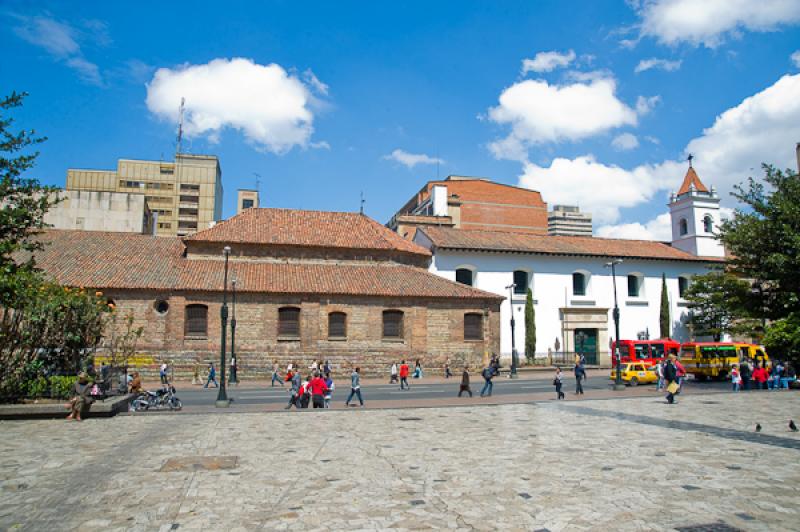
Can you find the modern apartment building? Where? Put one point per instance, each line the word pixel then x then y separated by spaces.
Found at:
pixel 568 220
pixel 185 196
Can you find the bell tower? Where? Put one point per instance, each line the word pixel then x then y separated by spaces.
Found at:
pixel 695 215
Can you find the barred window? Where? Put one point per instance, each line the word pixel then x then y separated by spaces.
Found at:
pixel 289 321
pixel 520 282
pixel 337 325
pixel 196 322
pixel 392 323
pixel 473 326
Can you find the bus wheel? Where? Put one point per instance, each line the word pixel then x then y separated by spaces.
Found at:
pixel 634 381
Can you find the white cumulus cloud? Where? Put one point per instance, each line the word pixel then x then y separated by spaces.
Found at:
pixel 708 22
pixel 762 128
pixel 662 64
pixel 539 112
pixel 659 228
pixel 795 57
pixel 645 105
pixel 547 61
pixel 410 160
pixel 625 141
pixel 270 107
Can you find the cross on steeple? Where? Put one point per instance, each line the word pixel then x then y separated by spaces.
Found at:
pixel 690 159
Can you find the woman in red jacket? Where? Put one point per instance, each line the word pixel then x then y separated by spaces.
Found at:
pixel 760 376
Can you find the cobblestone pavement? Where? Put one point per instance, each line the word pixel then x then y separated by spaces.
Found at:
pixel 616 464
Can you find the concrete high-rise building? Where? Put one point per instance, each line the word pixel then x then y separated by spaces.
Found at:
pixel 185 196
pixel 91 210
pixel 568 220
pixel 246 199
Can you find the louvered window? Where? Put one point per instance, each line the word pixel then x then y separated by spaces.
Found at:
pixel 473 326
pixel 337 325
pixel 392 324
pixel 196 321
pixel 289 321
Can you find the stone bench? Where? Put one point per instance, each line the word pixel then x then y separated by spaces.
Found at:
pixel 108 407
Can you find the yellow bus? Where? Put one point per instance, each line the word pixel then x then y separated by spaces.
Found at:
pixel 713 360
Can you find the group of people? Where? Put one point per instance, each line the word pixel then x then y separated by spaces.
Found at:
pixel 748 375
pixel 315 390
pixel 400 373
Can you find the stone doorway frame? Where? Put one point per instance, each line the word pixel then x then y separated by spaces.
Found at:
pixel 573 318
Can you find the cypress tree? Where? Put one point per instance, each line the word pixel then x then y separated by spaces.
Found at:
pixel 663 318
pixel 530 328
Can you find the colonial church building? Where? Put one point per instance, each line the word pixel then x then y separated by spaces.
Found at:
pixel 569 276
pixel 308 286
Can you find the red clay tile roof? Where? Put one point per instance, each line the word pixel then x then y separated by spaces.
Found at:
pixel 132 261
pixel 289 227
pixel 449 238
pixel 691 179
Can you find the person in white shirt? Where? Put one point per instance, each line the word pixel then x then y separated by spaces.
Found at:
pixel 393 374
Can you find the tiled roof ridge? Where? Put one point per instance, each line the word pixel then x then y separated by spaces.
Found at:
pixel 396 241
pixel 570 237
pixel 490 295
pixel 487 181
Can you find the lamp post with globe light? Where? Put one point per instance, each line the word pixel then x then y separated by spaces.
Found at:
pixel 618 385
pixel 513 373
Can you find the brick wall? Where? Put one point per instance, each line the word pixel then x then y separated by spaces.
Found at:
pixel 433 332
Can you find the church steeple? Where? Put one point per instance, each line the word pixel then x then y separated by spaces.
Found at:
pixel 695 217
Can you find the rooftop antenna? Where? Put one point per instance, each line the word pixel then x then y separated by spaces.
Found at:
pixel 258 182
pixel 690 159
pixel 180 126
pixel 361 211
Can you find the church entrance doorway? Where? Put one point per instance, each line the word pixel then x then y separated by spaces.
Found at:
pixel 586 344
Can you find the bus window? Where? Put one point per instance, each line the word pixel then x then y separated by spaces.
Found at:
pixel 759 353
pixel 709 351
pixel 673 350
pixel 688 352
pixel 658 350
pixel 642 351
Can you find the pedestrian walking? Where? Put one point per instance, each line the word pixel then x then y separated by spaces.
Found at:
pixel 330 386
pixel 488 375
pixel 447 372
pixel 580 375
pixel 736 378
pixel 681 373
pixel 558 382
pixel 313 367
pixel 417 370
pixel 276 376
pixel 495 364
pixel 294 392
pixel 659 369
pixel 305 392
pixel 318 389
pixel 671 377
pixel 404 376
pixel 212 376
pixel 465 383
pixel 355 387
pixel 163 373
pixel 327 368
pixel 393 374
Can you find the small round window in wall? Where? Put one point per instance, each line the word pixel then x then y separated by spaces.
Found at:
pixel 161 306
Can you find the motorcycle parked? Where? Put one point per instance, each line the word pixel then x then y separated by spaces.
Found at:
pixel 160 399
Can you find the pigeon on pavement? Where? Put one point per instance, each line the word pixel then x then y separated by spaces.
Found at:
pixel 758 427
pixel 792 426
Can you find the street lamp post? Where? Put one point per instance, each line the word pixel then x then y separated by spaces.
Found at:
pixel 618 385
pixel 513 373
pixel 222 397
pixel 234 377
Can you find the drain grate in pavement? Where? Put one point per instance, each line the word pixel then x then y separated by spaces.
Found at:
pixel 745 517
pixel 410 419
pixel 709 527
pixel 200 463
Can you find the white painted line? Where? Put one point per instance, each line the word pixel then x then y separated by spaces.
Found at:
pixel 412 391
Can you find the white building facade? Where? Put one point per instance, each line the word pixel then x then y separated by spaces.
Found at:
pixel 572 284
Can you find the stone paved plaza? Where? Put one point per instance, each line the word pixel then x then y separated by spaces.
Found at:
pixel 620 464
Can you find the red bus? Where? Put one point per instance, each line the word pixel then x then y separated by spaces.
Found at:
pixel 646 351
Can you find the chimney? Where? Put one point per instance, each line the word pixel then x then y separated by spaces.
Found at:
pixel 439 200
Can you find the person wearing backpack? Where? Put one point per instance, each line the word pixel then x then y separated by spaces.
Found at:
pixel 580 375
pixel 488 375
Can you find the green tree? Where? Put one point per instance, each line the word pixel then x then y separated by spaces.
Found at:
pixel 720 303
pixel 530 327
pixel 763 240
pixel 782 339
pixel 23 204
pixel 663 318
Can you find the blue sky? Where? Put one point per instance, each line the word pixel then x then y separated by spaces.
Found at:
pixel 317 96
